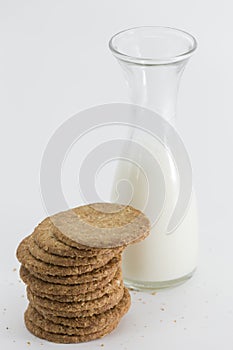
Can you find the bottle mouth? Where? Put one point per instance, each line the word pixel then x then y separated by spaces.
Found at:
pixel 152 45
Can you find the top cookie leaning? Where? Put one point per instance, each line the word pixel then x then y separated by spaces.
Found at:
pixel 96 226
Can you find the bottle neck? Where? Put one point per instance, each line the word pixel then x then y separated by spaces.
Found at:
pixel 154 87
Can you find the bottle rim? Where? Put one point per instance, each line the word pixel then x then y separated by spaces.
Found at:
pixel 114 45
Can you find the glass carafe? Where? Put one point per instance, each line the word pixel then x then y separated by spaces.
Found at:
pixel 153 60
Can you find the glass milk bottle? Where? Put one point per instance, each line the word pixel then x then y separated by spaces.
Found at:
pixel 153 60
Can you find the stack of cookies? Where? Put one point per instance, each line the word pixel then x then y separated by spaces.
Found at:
pixel 71 265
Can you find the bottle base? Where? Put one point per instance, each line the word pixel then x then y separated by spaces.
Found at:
pixel 142 286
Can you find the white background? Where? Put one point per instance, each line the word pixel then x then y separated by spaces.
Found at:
pixel 54 62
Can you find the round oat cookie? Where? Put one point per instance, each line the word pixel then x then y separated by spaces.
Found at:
pixel 95 275
pixel 66 339
pixel 107 303
pixel 90 295
pixel 48 326
pixel 101 319
pixel 38 266
pixel 80 306
pixel 100 225
pixel 53 259
pixel 68 291
pixel 46 240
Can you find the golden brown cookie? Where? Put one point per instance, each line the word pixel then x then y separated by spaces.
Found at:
pixel 108 288
pixel 100 319
pixel 77 309
pixel 67 339
pixel 53 259
pixel 48 326
pixel 38 266
pixel 95 275
pixel 45 311
pixel 46 240
pixel 68 291
pixel 112 315
pixel 100 225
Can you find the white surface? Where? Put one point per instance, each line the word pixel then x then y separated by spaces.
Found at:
pixel 54 61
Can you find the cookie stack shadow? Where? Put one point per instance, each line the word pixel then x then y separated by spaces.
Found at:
pixel 75 293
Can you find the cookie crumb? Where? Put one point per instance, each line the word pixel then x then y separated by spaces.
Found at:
pixel 28 343
pixel 153 293
pixel 102 345
pixel 162 309
pixel 174 321
pixel 14 269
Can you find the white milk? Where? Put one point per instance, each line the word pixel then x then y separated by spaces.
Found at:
pixel 160 257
